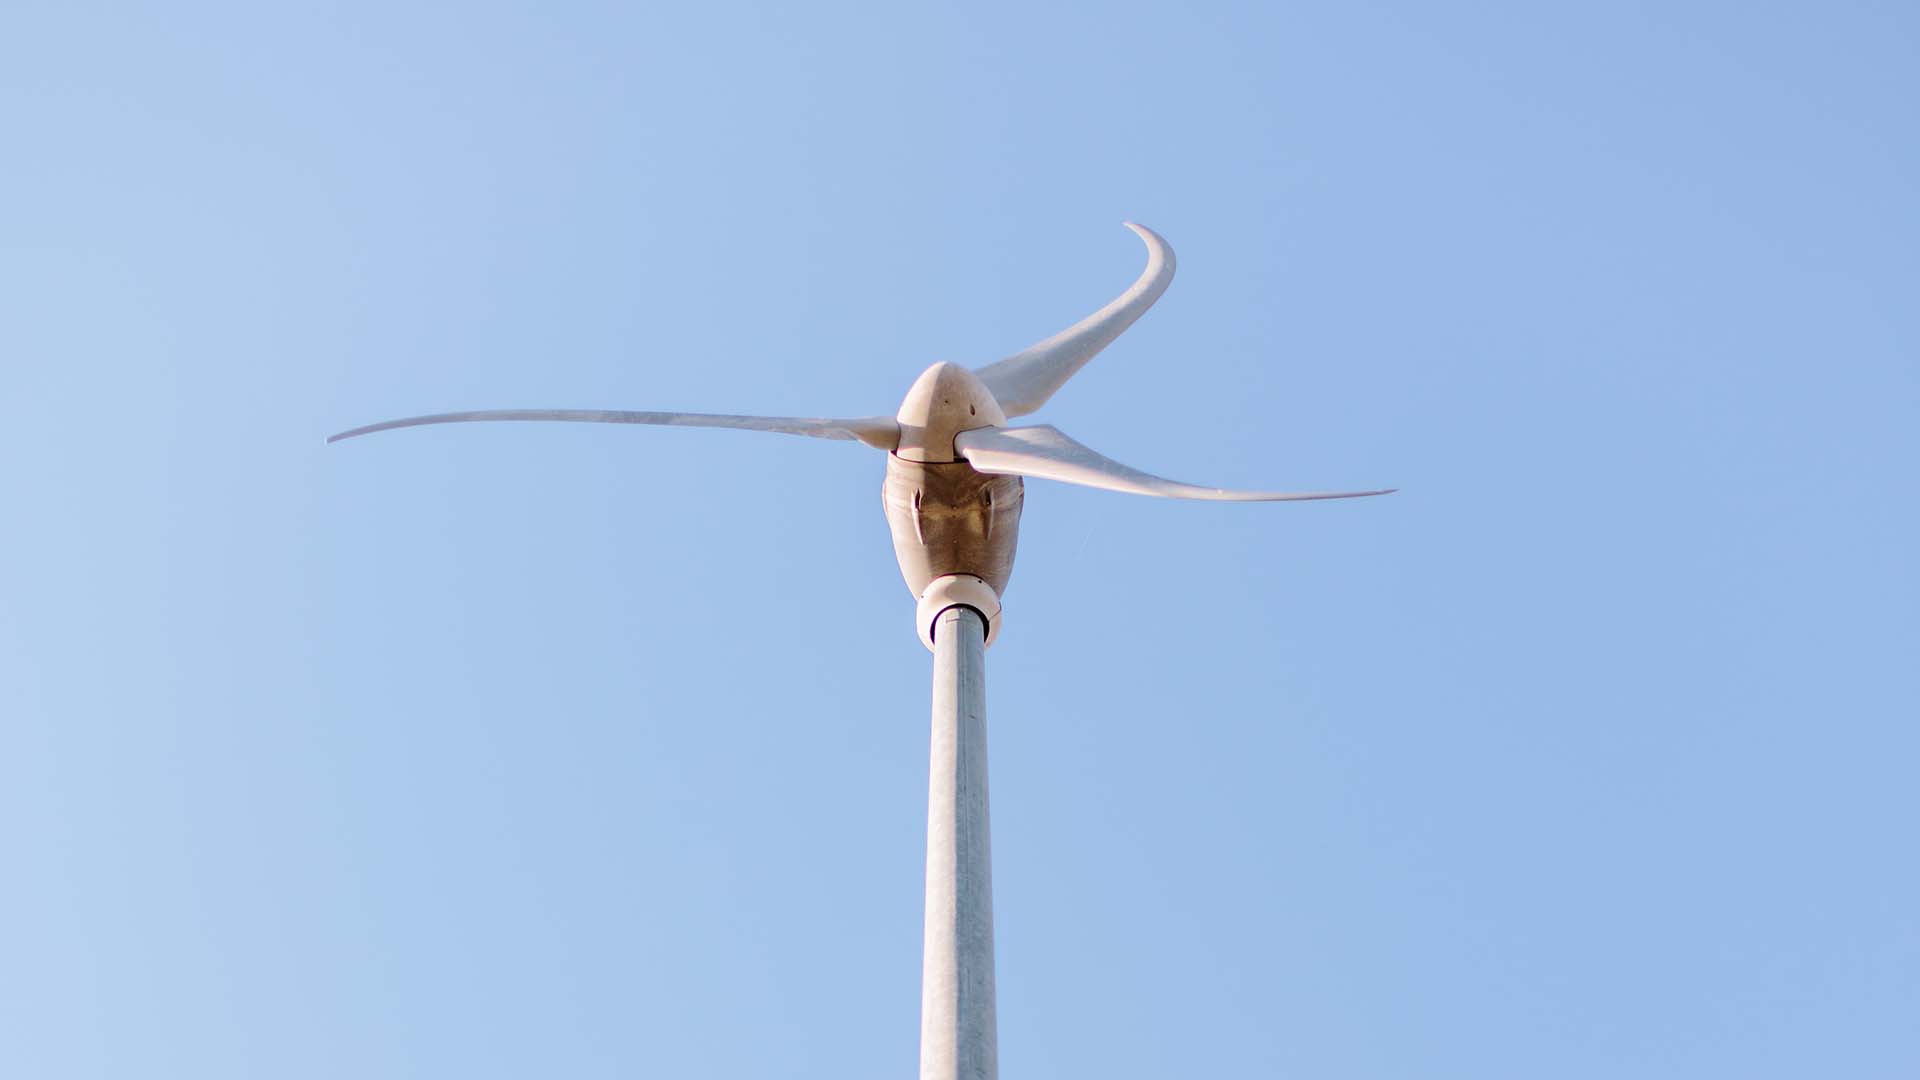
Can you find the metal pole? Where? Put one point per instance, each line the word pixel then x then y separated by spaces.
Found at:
pixel 957 1036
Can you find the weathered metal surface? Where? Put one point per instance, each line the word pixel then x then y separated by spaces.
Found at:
pixel 951 519
pixel 958 1037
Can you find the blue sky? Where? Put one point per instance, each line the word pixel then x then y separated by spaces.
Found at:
pixel 593 751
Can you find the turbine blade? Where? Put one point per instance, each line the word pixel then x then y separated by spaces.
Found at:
pixel 1024 381
pixel 1046 452
pixel 877 431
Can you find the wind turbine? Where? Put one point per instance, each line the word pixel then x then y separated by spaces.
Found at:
pixel 953 495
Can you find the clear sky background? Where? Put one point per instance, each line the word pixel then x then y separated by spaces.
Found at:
pixel 592 751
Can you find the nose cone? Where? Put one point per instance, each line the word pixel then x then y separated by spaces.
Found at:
pixel 946 400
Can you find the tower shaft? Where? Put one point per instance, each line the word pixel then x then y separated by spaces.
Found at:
pixel 957 1030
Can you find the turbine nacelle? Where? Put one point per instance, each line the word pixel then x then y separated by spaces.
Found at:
pixel 945 400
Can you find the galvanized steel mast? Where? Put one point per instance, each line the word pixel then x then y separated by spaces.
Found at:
pixel 957 1031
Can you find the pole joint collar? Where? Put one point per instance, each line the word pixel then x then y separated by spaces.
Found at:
pixel 957 590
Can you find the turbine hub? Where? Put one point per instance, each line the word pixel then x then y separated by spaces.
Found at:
pixel 946 400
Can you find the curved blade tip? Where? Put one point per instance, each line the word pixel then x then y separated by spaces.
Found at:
pixel 351 432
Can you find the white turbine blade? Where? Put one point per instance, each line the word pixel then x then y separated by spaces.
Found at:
pixel 878 431
pixel 1024 381
pixel 1046 452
